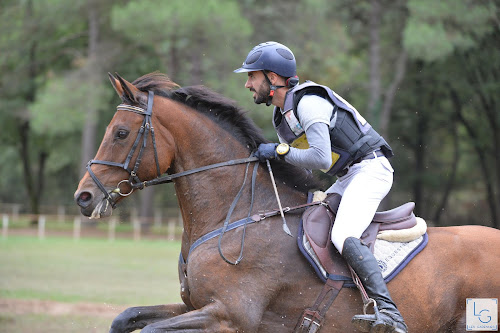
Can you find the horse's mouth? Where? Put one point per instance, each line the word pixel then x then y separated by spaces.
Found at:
pixel 96 204
pixel 102 209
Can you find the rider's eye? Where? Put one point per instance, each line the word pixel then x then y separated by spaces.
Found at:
pixel 121 134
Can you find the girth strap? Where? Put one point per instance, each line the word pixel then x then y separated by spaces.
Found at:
pixel 312 318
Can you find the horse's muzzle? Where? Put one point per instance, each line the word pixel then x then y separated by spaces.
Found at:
pixel 93 205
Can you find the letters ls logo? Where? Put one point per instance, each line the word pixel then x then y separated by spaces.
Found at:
pixel 482 314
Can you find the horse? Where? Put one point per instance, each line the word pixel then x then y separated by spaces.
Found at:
pixel 253 278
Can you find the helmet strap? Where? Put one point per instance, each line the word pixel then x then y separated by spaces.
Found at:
pixel 272 87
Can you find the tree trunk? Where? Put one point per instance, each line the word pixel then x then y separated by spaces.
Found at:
pixel 419 149
pixel 196 76
pixel 481 156
pixel 173 68
pixel 90 126
pixel 419 162
pixel 34 187
pixel 380 107
pixel 390 94
pixel 479 80
pixel 451 179
pixel 374 60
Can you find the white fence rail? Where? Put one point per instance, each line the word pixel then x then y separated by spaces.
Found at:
pixel 44 225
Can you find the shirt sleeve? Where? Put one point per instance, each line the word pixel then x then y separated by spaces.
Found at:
pixel 315 117
pixel 319 154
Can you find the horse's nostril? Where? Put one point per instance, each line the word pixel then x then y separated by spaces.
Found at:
pixel 84 199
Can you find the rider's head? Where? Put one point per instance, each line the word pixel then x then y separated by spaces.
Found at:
pixel 265 58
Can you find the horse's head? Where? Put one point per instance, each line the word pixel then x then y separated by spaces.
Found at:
pixel 129 139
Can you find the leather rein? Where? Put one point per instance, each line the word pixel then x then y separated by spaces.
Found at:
pixel 135 183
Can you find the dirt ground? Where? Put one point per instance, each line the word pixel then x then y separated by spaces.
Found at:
pixel 20 307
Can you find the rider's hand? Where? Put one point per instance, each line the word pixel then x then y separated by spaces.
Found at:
pixel 266 151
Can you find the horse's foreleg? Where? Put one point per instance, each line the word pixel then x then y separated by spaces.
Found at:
pixel 140 316
pixel 211 318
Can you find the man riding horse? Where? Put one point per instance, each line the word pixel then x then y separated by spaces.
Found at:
pixel 318 129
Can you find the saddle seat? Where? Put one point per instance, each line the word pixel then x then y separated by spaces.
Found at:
pixel 318 222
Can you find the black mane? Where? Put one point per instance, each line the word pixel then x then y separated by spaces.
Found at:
pixel 229 117
pixel 224 111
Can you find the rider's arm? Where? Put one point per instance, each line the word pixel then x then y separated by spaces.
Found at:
pixel 314 115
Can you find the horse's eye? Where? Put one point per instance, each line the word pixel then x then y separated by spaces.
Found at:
pixel 121 134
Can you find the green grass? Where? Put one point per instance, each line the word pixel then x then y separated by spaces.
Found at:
pixel 122 272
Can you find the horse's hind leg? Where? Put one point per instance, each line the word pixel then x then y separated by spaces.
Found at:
pixel 209 319
pixel 140 316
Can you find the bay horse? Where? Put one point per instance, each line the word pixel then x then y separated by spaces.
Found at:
pixel 272 282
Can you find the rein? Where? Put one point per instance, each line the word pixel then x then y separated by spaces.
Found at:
pixel 134 182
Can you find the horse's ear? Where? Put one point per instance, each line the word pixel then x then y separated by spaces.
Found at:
pixel 127 91
pixel 116 84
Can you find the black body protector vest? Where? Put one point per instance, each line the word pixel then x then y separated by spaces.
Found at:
pixel 352 137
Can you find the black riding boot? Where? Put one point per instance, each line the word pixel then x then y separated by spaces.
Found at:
pixel 362 261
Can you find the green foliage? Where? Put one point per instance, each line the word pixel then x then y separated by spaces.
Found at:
pixel 437 28
pixel 49 83
pixel 182 31
pixel 61 116
pixel 61 109
pixel 181 18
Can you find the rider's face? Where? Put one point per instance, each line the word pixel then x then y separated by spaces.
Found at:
pixel 259 86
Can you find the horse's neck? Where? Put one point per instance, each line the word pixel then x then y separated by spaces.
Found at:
pixel 204 197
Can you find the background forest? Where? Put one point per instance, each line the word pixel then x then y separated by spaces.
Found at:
pixel 424 73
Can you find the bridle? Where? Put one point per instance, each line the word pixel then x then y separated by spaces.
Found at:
pixel 134 182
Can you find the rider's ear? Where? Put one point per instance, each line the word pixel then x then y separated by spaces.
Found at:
pixel 127 91
pixel 273 77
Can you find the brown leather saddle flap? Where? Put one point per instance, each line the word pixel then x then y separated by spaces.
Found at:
pixel 318 222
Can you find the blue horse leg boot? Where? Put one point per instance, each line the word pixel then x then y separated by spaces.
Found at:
pixel 387 318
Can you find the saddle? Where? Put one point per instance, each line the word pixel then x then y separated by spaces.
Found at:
pixel 318 222
pixel 314 241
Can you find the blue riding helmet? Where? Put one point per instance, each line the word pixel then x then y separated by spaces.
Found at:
pixel 271 56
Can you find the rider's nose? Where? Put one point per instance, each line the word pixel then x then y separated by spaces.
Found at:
pixel 84 199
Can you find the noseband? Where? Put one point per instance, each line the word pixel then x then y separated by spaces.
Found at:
pixel 134 182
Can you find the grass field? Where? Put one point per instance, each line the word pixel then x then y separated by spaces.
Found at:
pixel 88 271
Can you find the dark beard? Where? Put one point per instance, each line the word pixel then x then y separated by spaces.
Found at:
pixel 262 94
